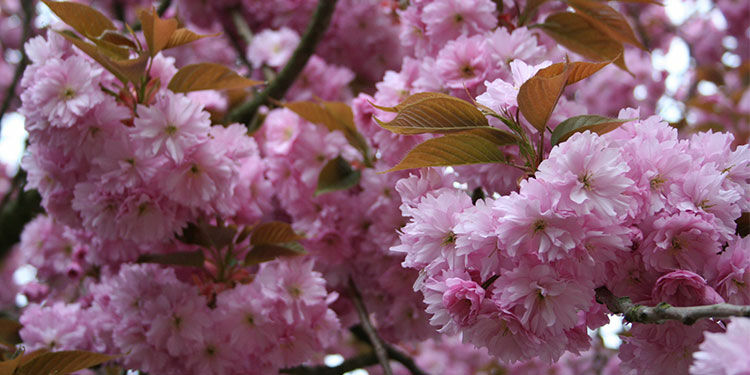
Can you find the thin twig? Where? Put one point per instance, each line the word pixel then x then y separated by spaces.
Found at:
pixel 235 36
pixel 372 335
pixel 279 86
pixel 10 93
pixel 360 361
pixel 663 311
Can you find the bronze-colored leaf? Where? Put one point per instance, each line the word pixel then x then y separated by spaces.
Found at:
pixel 131 70
pixel 434 113
pixel 118 39
pixel 86 20
pixel 272 233
pixel 606 19
pixel 264 253
pixel 184 36
pixel 63 362
pixel 337 174
pixel 538 97
pixel 9 332
pixel 334 116
pixel 180 258
pixel 575 33
pixel 418 97
pixel 577 124
pixel 157 31
pixel 474 146
pixel 578 70
pixel 208 76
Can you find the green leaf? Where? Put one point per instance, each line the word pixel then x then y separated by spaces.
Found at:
pixel 606 19
pixel 434 113
pixel 9 332
pixel 538 97
pixel 63 362
pixel 273 233
pixel 334 116
pixel 578 70
pixel 180 258
pixel 475 146
pixel 575 33
pixel 337 174
pixel 265 253
pixel 576 124
pixel 208 76
pixel 157 31
pixel 184 36
pixel 86 20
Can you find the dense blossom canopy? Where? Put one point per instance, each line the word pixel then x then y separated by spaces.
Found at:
pixel 426 188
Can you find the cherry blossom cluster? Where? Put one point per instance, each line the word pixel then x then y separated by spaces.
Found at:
pixel 650 216
pixel 158 318
pixel 129 175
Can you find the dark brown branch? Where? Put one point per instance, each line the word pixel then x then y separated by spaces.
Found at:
pixel 360 361
pixel 393 353
pixel 279 86
pixel 10 94
pixel 663 311
pixel 233 30
pixel 372 335
pixel 18 208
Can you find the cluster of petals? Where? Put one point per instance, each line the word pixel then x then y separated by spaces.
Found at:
pixel 516 273
pixel 166 327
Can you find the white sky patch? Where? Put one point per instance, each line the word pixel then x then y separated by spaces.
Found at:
pixel 610 332
pixel 357 372
pixel 12 140
pixel 333 360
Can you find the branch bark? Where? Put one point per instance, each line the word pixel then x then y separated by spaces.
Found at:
pixel 279 86
pixel 360 361
pixel 663 311
pixel 393 353
pixel 372 335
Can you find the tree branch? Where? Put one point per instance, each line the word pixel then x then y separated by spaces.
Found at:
pixel 18 208
pixel 392 351
pixel 279 86
pixel 663 311
pixel 10 94
pixel 360 361
pixel 372 335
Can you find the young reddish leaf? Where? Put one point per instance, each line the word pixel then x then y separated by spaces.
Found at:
pixel 9 367
pixel 9 332
pixel 475 146
pixel 63 362
pixel 111 50
pixel 266 252
pixel 84 19
pixel 208 76
pixel 274 232
pixel 434 113
pixel 606 19
pixel 157 31
pixel 576 124
pixel 337 174
pixel 538 97
pixel 575 33
pixel 334 116
pixel 412 99
pixel 184 36
pixel 124 70
pixel 181 258
pixel 118 39
pixel 578 70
